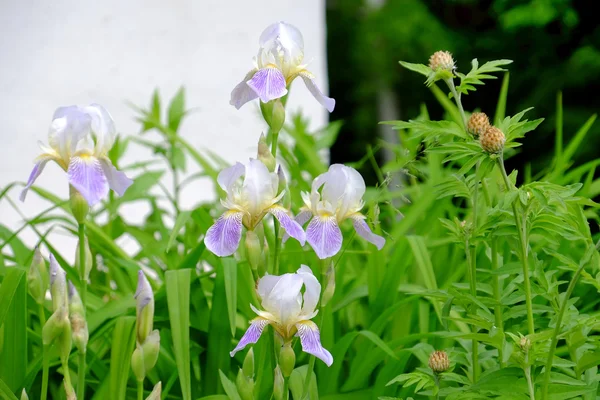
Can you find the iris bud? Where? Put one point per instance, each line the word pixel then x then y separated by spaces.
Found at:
pixel 265 155
pixel 248 365
pixel 277 116
pixel 58 286
pixel 88 259
pixel 253 250
pixel 156 392
pixel 245 386
pixel 329 286
pixel 24 395
pixel 287 360
pixel 79 205
pixel 145 355
pixel 35 277
pixel 278 385
pixel 78 322
pixel 145 307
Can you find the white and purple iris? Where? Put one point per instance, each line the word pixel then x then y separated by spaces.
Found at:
pixel 79 139
pixel 340 197
pixel 247 202
pixel 288 311
pixel 278 63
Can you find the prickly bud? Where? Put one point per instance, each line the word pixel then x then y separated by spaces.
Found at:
pixel 265 155
pixel 287 359
pixel 278 116
pixel 79 205
pixel 441 60
pixel 478 123
pixel 329 286
pixel 58 286
pixel 278 385
pixel 78 322
pixel 248 365
pixel 525 344
pixel 492 140
pixel 253 249
pixel 35 277
pixel 145 307
pixel 245 386
pixel 156 392
pixel 439 362
pixel 88 259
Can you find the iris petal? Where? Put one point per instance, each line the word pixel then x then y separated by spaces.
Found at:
pixel 117 180
pixel 87 176
pixel 268 83
pixel 311 85
pixel 292 228
pixel 310 339
pixel 302 218
pixel 325 236
pixel 257 325
pixel 242 93
pixel 35 172
pixel 363 230
pixel 223 238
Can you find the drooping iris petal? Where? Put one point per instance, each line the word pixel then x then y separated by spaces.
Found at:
pixel 311 85
pixel 292 228
pixel 325 236
pixel 363 230
pixel 35 172
pixel 117 180
pixel 242 93
pixel 284 300
pixel 302 218
pixel 310 339
pixel 87 176
pixel 228 176
pixel 311 293
pixel 257 325
pixel 268 83
pixel 223 238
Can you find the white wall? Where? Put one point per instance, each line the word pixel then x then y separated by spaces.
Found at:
pixel 77 52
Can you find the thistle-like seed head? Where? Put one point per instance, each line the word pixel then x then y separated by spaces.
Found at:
pixel 525 344
pixel 492 140
pixel 478 124
pixel 441 60
pixel 438 361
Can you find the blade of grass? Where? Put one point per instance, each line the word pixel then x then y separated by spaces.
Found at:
pixel 181 220
pixel 558 141
pixel 229 387
pixel 230 270
pixel 178 299
pixel 501 106
pixel 419 249
pixel 5 391
pixel 120 357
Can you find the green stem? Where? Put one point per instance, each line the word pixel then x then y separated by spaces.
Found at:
pixel 81 377
pixel 559 318
pixel 437 384
pixel 67 377
pixel 521 232
pixel 286 390
pixel 175 175
pixel 45 360
pixel 473 287
pixel 82 277
pixel 309 372
pixel 450 83
pixel 277 247
pixel 140 390
pixel 274 144
pixel 498 306
pixel 529 381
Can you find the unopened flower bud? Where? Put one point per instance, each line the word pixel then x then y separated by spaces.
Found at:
pixel 24 395
pixel 55 326
pixel 145 355
pixel 525 344
pixel 329 286
pixel 439 362
pixel 265 155
pixel 88 259
pixel 79 205
pixel 278 116
pixel 156 392
pixel 278 385
pixel 245 386
pixel 35 277
pixel 58 286
pixel 253 249
pixel 78 323
pixel 286 201
pixel 248 365
pixel 441 60
pixel 145 307
pixel 478 123
pixel 287 359
pixel 492 140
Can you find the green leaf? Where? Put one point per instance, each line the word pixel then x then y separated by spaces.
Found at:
pixel 176 110
pixel 5 391
pixel 419 68
pixel 478 74
pixel 229 387
pixel 501 106
pixel 378 342
pixel 419 249
pixel 122 345
pixel 141 187
pixel 230 271
pixel 297 380
pixel 178 300
pixel 180 222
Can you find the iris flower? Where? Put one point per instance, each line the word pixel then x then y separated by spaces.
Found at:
pixel 288 311
pixel 79 139
pixel 278 63
pixel 247 202
pixel 335 196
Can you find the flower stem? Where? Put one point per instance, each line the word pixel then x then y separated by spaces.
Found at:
pixel 529 382
pixel 140 390
pixel 473 287
pixel 437 384
pixel 559 318
pixel 498 306
pixel 309 372
pixel 274 143
pixel 522 233
pixel 175 174
pixel 450 83
pixel 82 277
pixel 286 390
pixel 45 360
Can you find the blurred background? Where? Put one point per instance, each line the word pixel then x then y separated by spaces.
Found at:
pixel 555 45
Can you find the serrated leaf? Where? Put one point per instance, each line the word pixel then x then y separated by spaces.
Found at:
pixel 479 73
pixel 419 68
pixel 176 110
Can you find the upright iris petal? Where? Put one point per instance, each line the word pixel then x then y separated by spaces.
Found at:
pixel 289 311
pixel 278 63
pixel 335 196
pixel 248 201
pixel 80 139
